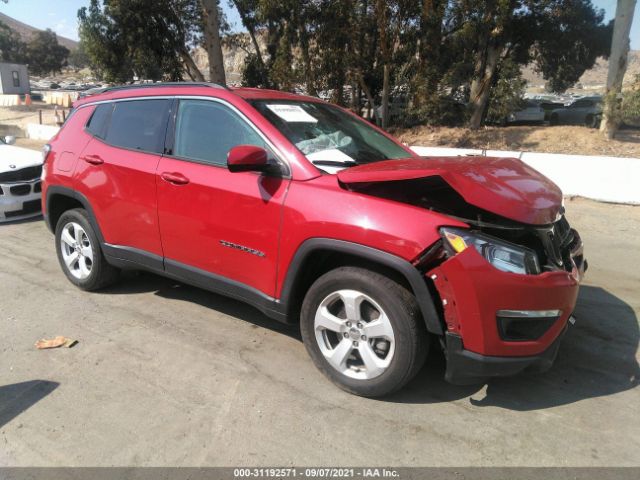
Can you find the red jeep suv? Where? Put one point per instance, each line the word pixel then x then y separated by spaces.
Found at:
pixel 313 215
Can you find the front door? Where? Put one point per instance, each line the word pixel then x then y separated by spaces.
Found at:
pixel 213 221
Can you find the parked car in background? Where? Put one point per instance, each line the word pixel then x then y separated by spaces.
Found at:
pixel 549 107
pixel 531 112
pixel 585 111
pixel 315 216
pixel 20 189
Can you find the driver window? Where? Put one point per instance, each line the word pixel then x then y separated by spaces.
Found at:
pixel 207 130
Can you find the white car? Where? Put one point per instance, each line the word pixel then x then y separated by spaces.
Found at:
pixel 532 112
pixel 20 188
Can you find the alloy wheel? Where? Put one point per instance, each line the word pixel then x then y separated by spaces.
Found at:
pixel 354 334
pixel 77 251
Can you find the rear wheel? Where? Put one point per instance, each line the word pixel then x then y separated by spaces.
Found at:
pixel 79 252
pixel 364 331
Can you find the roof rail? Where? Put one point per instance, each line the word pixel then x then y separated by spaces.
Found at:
pixel 161 84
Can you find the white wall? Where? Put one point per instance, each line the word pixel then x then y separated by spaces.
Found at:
pixel 41 132
pixel 608 179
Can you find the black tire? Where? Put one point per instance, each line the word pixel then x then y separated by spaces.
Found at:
pixel 592 121
pixel 554 120
pixel 102 274
pixel 400 306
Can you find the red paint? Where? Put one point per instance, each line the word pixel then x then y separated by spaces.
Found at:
pixel 246 157
pixel 216 204
pixel 190 212
pixel 505 186
pixel 474 291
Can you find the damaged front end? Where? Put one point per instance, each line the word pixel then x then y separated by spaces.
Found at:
pixel 506 287
pixel 507 296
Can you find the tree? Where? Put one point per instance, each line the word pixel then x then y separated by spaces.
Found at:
pixel 617 65
pixel 435 53
pixel 12 48
pixel 212 43
pixel 147 39
pixel 45 54
pixel 78 57
pixel 428 74
pixel 562 38
pixel 571 36
pixel 507 92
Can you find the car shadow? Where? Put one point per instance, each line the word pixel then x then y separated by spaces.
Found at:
pixel 18 397
pixel 140 282
pixel 597 358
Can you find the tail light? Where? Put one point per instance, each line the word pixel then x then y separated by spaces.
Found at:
pixel 45 153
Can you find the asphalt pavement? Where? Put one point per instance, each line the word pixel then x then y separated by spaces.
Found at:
pixel 169 375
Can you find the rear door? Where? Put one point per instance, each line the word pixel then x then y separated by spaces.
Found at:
pixel 218 222
pixel 116 171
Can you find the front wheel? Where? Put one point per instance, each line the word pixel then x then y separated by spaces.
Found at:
pixel 364 331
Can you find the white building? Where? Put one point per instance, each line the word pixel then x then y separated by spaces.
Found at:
pixel 14 79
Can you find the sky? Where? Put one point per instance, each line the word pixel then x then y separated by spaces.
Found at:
pixel 61 15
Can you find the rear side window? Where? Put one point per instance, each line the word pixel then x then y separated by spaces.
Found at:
pixel 97 124
pixel 139 125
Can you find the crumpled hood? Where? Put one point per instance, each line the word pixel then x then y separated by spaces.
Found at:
pixel 18 157
pixel 504 186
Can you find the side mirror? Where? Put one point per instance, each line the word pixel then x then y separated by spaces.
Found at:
pixel 9 139
pixel 247 158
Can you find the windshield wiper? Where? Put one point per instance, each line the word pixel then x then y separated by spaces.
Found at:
pixel 334 163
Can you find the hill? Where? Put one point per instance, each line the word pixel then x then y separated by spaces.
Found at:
pixel 26 31
pixel 595 78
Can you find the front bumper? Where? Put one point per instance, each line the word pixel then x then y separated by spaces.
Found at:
pixel 20 200
pixel 473 293
pixel 469 368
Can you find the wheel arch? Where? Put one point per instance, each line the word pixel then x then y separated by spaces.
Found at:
pixel 317 256
pixel 61 199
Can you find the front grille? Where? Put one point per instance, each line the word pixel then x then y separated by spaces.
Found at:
pixel 22 175
pixel 557 242
pixel 19 190
pixel 29 207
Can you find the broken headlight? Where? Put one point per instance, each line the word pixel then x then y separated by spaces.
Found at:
pixel 502 255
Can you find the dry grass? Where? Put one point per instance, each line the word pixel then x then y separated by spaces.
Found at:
pixel 560 139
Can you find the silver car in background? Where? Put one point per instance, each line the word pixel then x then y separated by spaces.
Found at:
pixel 531 112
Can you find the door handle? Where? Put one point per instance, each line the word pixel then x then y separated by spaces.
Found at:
pixel 175 178
pixel 93 159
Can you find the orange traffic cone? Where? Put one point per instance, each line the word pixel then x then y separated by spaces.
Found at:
pixel 27 99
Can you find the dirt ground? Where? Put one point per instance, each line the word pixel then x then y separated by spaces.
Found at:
pixel 556 139
pixel 14 120
pixel 169 375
